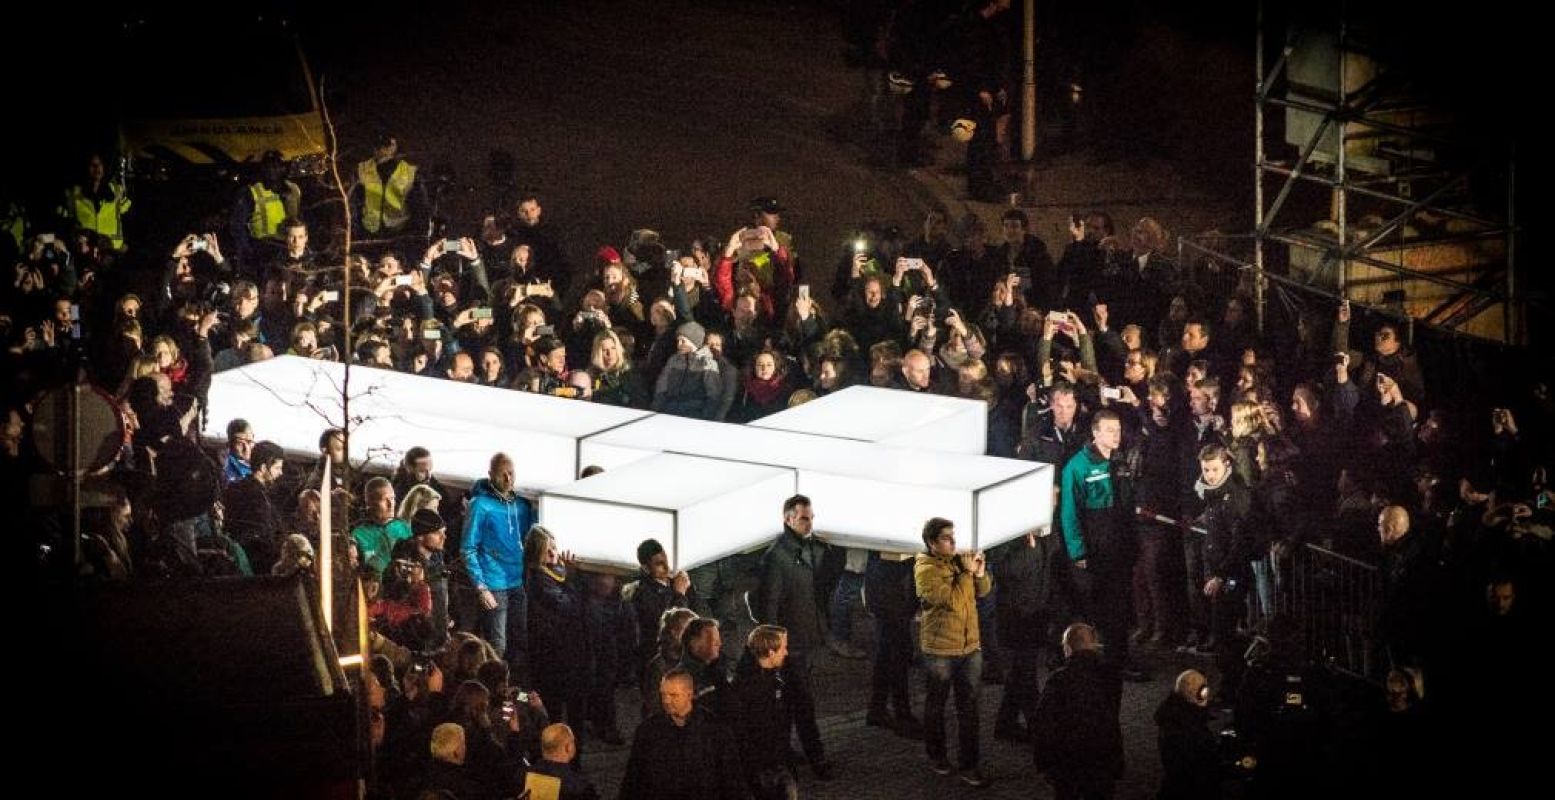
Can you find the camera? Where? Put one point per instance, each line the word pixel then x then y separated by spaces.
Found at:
pixel 330 295
pixel 671 257
pixel 545 330
pixel 402 280
pixel 1111 393
pixel 199 246
pixel 217 294
pixel 860 246
pixel 450 245
pixel 480 312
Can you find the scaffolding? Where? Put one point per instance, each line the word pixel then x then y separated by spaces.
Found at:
pixel 1404 215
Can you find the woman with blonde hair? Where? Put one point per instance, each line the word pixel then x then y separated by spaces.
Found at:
pixel 616 383
pixel 420 496
pixel 1249 426
pixel 142 366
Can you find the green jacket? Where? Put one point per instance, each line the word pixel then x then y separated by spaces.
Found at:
pixel 1086 484
pixel 376 542
pixel 949 595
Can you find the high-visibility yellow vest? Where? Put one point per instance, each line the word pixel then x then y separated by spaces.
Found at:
pixel 13 222
pixel 383 206
pixel 104 218
pixel 269 212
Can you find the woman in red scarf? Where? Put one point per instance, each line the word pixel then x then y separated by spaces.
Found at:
pixel 170 361
pixel 765 390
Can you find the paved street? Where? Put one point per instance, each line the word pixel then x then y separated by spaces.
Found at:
pixel 668 115
pixel 672 119
pixel 875 763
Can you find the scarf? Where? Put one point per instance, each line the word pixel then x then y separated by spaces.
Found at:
pixel 764 391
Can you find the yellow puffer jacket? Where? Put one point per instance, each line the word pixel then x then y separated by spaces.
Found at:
pixel 949 598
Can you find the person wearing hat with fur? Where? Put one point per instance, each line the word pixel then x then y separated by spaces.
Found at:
pixel 428 535
pixel 690 385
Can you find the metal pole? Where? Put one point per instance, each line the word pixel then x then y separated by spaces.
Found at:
pixel 75 473
pixel 326 563
pixel 1341 212
pixel 1028 117
pixel 1513 315
pixel 1258 157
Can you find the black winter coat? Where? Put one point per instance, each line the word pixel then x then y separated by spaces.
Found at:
pixel 1027 593
pixel 695 761
pixel 791 590
pixel 1189 755
pixel 761 718
pixel 1228 547
pixel 1076 730
pixel 558 630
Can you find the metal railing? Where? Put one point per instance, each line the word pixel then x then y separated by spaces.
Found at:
pixel 1333 601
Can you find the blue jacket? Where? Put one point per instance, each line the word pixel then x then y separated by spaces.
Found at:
pixel 494 533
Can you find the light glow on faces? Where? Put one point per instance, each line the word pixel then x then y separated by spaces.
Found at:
pixel 765 366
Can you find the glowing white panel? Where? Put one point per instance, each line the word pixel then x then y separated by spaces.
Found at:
pixel 1010 509
pixel 700 509
pixel 287 399
pixel 865 495
pixel 891 416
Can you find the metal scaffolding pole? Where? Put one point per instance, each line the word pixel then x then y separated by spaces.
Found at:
pixel 1341 204
pixel 1410 169
pixel 1261 91
pixel 1028 115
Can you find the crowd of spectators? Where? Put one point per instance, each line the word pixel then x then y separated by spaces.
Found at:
pixel 1196 455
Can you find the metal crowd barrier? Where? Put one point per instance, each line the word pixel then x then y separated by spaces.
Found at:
pixel 1333 599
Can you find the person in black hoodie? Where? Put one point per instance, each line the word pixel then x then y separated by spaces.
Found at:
pixel 1165 454
pixel 1190 758
pixel 682 752
pixel 1028 572
pixel 655 590
pixel 762 717
pixel 892 599
pixel 1079 743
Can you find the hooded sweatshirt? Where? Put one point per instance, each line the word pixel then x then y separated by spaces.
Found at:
pixel 494 537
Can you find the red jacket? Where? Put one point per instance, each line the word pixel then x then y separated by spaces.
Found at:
pixel 775 283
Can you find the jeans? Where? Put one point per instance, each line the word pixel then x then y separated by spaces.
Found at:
pixel 1263 590
pixel 965 675
pixel 506 629
pixel 840 615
